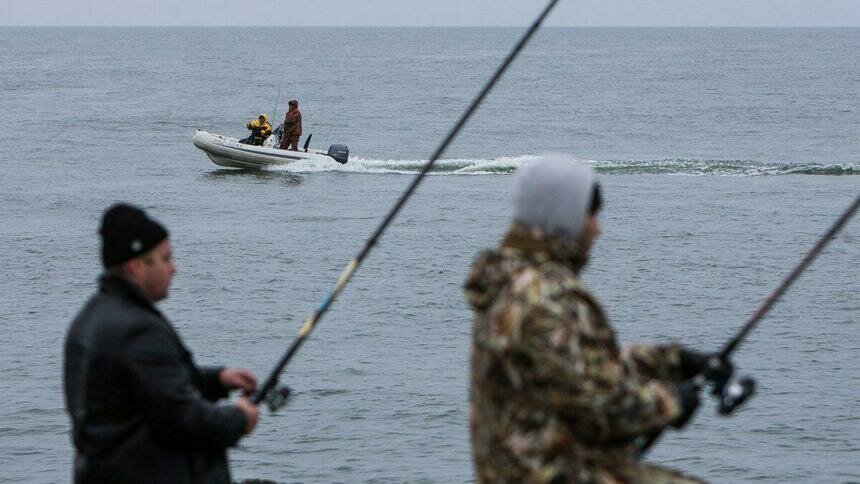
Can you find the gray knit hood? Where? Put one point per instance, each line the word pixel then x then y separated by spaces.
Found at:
pixel 553 194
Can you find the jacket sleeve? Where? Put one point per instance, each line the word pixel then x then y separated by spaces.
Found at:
pixel 654 362
pixel 559 360
pixel 212 388
pixel 180 415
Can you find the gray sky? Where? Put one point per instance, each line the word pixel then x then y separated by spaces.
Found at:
pixel 431 12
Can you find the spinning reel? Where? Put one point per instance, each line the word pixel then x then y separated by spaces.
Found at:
pixel 734 394
pixel 275 399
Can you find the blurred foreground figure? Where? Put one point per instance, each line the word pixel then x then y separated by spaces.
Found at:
pixel 141 410
pixel 553 397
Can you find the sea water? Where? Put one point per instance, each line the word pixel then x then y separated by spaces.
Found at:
pixel 724 154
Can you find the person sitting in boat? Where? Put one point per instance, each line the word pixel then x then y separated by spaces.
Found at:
pixel 260 130
pixel 292 127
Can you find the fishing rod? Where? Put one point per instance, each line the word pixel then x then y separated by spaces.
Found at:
pixel 733 395
pixel 788 281
pixel 278 96
pixel 277 397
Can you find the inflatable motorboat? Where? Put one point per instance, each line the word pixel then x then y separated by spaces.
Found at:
pixel 229 152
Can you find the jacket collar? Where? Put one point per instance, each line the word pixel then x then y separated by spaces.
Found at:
pixel 539 245
pixel 114 284
pixel 122 287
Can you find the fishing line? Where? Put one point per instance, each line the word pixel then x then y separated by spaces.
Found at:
pixel 278 97
pixel 268 391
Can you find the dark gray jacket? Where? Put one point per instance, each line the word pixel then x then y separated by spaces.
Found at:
pixel 141 410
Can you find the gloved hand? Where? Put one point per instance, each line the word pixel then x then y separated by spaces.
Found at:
pixel 688 394
pixel 715 370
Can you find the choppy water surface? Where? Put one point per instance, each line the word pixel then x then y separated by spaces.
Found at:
pixel 724 154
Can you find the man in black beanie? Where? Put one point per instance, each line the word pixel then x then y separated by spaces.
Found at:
pixel 141 410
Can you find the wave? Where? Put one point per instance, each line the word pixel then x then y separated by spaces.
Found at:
pixel 712 167
pixel 509 164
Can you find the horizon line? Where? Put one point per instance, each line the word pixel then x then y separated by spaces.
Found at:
pixel 429 26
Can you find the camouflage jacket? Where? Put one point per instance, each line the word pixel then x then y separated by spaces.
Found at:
pixel 553 398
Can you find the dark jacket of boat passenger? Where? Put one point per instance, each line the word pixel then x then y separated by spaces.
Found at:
pixel 141 410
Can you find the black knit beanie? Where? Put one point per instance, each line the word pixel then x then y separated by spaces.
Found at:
pixel 128 232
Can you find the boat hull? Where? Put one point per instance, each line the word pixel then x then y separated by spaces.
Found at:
pixel 228 152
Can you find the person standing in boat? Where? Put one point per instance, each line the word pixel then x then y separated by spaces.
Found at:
pixel 260 130
pixel 141 410
pixel 553 397
pixel 292 127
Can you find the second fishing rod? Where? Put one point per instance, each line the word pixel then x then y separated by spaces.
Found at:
pixel 730 395
pixel 276 396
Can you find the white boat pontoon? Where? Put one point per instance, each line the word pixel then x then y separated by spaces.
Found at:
pixel 226 151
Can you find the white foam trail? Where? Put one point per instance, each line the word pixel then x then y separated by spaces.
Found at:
pixel 509 164
pixel 453 166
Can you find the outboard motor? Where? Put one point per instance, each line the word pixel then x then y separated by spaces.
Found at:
pixel 340 153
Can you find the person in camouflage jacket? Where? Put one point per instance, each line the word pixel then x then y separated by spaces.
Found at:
pixel 553 397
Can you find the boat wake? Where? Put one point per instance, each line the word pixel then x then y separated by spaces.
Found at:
pixel 507 165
